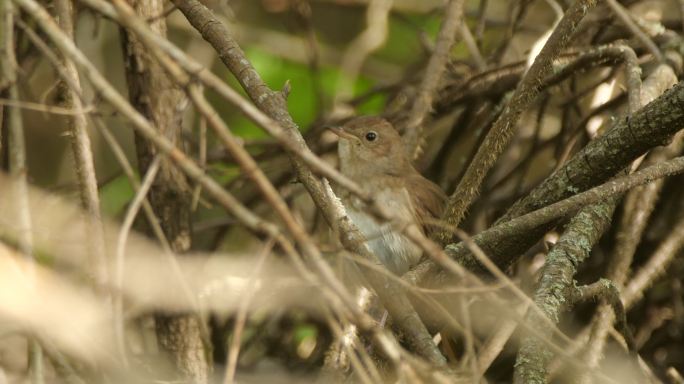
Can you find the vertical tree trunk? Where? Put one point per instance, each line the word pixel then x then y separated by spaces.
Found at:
pixel 155 95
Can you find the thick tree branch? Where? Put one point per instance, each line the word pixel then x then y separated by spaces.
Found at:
pixel 552 295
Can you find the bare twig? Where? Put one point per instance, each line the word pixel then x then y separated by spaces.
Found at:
pixel 131 213
pixel 369 40
pixel 422 106
pixel 17 164
pixel 656 265
pixel 202 144
pixel 45 108
pixel 80 146
pixel 494 345
pixel 472 46
pixel 626 19
pixel 674 376
pixel 607 291
pixel 241 317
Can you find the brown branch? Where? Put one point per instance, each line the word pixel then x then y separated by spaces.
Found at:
pixel 573 247
pixel 432 75
pixel 12 119
pixel 605 290
pixel 624 16
pixel 368 41
pixel 81 148
pixel 498 137
pixel 655 266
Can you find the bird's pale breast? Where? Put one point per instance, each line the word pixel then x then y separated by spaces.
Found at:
pixel 392 248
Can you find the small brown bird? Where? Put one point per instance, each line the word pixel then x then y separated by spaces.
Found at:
pixel 372 154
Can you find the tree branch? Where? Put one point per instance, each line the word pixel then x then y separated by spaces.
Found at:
pixel 573 247
pixel 432 75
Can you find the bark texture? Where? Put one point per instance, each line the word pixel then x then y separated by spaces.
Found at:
pixel 156 96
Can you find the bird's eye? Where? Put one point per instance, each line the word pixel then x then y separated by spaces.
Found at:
pixel 371 136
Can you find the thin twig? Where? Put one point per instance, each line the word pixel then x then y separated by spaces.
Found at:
pixel 46 108
pixel 241 316
pixel 202 160
pixel 422 106
pixel 472 46
pixel 369 40
pixel 81 148
pixel 120 260
pixel 607 291
pixel 109 138
pixel 656 264
pixel 17 166
pixel 626 19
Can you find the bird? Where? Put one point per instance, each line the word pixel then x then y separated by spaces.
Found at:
pixel 372 154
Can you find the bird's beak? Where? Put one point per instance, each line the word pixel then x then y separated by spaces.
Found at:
pixel 340 132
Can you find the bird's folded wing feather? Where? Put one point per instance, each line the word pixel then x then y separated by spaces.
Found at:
pixel 428 201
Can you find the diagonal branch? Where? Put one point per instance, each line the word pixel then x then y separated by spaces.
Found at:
pixel 453 19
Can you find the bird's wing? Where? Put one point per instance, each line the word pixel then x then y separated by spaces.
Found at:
pixel 428 200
